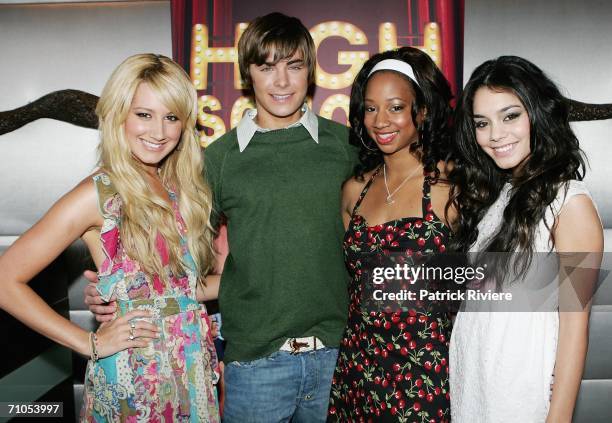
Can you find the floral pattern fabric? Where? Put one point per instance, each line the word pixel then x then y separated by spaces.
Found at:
pixel 171 380
pixel 393 362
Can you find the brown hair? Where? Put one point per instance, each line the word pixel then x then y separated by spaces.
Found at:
pixel 279 34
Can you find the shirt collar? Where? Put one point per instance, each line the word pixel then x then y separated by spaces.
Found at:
pixel 247 127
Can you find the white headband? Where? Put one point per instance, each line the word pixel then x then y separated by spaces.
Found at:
pixel 395 65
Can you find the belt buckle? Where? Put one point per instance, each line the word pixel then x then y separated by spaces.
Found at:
pixel 297 346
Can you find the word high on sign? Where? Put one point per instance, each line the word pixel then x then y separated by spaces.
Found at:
pixel 202 55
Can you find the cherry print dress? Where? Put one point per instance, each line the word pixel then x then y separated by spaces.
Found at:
pixel 171 380
pixel 393 364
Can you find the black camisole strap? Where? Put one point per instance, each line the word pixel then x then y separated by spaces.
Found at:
pixel 427 207
pixel 365 190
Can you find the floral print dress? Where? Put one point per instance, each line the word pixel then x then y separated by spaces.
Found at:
pixel 393 361
pixel 172 380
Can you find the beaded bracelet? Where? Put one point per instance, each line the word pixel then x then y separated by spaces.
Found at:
pixel 93 340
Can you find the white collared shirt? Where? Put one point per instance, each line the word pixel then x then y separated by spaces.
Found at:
pixel 247 127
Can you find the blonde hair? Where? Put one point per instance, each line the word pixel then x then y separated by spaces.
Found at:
pixel 144 214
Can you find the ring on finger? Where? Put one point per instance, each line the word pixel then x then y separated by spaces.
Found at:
pixel 132 324
pixel 132 336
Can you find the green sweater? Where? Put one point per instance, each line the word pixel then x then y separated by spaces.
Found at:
pixel 284 275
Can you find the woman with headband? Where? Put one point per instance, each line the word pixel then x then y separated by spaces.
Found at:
pixel 393 360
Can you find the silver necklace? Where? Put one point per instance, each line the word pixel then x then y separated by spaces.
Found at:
pixel 390 195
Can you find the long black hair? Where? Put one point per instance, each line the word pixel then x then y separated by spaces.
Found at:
pixel 432 95
pixel 555 158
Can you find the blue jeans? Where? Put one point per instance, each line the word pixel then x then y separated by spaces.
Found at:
pixel 280 388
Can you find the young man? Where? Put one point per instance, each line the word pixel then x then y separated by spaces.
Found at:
pixel 277 179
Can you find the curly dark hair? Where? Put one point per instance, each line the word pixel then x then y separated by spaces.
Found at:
pixel 432 95
pixel 555 158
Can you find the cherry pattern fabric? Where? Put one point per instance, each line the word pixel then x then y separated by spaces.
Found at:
pixel 393 364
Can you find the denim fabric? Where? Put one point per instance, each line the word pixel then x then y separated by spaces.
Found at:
pixel 280 388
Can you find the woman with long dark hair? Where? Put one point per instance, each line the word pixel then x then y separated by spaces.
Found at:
pixel 518 189
pixel 393 360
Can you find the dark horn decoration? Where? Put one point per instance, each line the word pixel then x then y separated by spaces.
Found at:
pixel 585 111
pixel 78 108
pixel 71 106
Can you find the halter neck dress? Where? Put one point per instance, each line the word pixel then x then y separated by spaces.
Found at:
pixel 392 364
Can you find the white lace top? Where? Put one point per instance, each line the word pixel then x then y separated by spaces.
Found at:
pixel 501 362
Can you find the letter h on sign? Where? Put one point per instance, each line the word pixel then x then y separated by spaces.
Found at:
pixel 202 54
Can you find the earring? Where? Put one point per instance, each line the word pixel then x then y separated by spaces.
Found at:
pixel 363 142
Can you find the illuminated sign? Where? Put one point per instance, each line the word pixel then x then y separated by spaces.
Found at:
pixel 202 55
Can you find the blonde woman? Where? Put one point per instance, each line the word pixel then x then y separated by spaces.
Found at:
pixel 144 215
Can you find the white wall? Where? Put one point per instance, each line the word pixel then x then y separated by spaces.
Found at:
pixel 570 41
pixel 48 47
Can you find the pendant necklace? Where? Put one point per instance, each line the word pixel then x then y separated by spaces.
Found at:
pixel 390 195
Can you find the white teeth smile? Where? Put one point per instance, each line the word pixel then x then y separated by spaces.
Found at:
pixel 151 145
pixel 387 136
pixel 505 148
pixel 281 97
